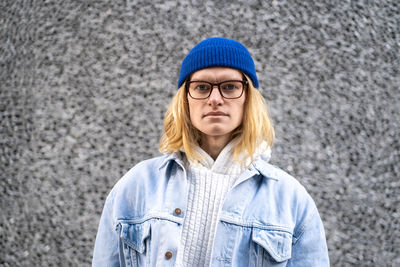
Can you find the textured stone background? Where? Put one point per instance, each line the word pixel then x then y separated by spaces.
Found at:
pixel 84 86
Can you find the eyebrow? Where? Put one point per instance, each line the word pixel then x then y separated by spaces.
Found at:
pixel 221 78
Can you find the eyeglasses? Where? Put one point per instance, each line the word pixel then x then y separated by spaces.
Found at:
pixel 228 89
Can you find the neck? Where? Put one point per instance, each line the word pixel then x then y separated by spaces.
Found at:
pixel 213 145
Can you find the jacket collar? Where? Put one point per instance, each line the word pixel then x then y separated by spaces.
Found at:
pixel 260 165
pixel 265 169
pixel 175 156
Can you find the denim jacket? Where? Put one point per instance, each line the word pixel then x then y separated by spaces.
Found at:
pixel 267 219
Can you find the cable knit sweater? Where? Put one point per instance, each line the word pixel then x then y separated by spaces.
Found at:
pixel 209 182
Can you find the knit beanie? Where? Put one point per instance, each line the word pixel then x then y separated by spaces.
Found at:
pixel 218 52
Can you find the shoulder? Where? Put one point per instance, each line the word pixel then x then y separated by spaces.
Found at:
pixel 145 172
pixel 287 191
pixel 288 196
pixel 147 165
pixel 140 188
pixel 280 178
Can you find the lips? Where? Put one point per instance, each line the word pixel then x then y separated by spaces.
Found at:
pixel 215 114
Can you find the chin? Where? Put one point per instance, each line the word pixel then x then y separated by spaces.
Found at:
pixel 216 132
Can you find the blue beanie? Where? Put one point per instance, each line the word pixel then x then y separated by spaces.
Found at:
pixel 218 52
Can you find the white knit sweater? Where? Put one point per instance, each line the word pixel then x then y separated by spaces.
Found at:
pixel 209 182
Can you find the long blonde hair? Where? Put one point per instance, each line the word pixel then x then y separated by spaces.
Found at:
pixel 179 133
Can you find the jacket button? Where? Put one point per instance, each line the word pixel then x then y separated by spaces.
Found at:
pixel 168 255
pixel 178 211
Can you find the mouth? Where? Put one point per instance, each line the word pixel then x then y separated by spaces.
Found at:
pixel 215 114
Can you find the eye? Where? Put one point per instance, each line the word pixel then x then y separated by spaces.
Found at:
pixel 231 86
pixel 228 86
pixel 199 89
pixel 202 87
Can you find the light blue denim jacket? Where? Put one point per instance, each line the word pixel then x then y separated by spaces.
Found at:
pixel 267 219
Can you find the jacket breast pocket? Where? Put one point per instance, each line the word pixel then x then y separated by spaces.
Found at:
pixel 134 240
pixel 271 247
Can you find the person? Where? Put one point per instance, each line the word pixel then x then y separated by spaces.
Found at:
pixel 212 199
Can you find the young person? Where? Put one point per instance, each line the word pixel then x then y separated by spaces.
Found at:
pixel 212 199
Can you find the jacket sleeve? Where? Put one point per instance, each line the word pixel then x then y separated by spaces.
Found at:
pixel 309 243
pixel 106 248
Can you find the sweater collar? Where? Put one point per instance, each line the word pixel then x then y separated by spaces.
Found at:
pixel 225 163
pixel 257 166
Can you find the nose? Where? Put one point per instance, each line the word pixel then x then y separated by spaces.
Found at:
pixel 215 98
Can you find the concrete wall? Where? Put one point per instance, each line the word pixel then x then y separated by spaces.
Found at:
pixel 84 86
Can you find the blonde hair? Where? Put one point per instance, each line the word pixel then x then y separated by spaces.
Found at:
pixel 256 127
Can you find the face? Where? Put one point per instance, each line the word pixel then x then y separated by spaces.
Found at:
pixel 216 116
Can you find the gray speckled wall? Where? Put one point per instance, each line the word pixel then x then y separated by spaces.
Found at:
pixel 84 86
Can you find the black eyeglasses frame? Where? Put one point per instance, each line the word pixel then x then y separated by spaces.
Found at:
pixel 244 82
